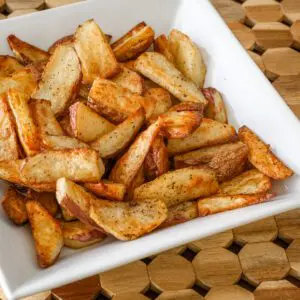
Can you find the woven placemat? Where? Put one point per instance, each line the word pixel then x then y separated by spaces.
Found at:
pixel 258 261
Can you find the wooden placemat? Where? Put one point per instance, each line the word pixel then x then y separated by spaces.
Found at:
pixel 258 261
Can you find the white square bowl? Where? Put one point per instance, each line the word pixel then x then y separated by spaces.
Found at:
pixel 249 96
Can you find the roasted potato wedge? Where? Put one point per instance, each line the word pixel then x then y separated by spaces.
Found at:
pixel 79 235
pixel 188 106
pixel 117 140
pixel 249 182
pixel 14 206
pixel 134 42
pixel 156 67
pixel 181 213
pixel 26 127
pixel 221 203
pixel 137 181
pixel 107 190
pixel 67 215
pixel 25 52
pixel 261 156
pixel 86 124
pixel 65 40
pixel 129 164
pixel 37 69
pixel 179 186
pixel 47 233
pixel 96 56
pixel 187 57
pixel 76 164
pixel 148 104
pixel 53 142
pixel 47 200
pixel 9 146
pixel 157 160
pixel 66 125
pixel 61 79
pixel 209 133
pixel 215 108
pixel 162 45
pixel 9 65
pixel 130 80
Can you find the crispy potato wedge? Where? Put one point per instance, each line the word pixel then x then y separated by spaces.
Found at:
pixel 156 67
pixel 113 101
pixel 61 79
pixel 66 125
pixel 209 133
pixel 47 233
pixel 221 203
pixel 128 220
pixel 149 105
pixel 215 108
pixel 261 157
pixel 53 142
pixel 249 182
pixel 14 206
pixel 157 160
pixel 9 146
pixel 188 106
pixel 117 140
pixel 134 42
pixel 47 200
pixel 162 45
pixel 79 235
pixel 27 130
pixel 181 213
pixel 96 56
pixel 137 181
pixel 86 124
pixel 129 164
pixel 187 57
pixel 25 52
pixel 130 80
pixel 107 190
pixel 37 69
pixel 179 186
pixel 67 215
pixel 65 40
pixel 9 65
pixel 76 164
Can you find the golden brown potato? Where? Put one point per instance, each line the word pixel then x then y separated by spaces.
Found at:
pixel 249 182
pixel 25 52
pixel 65 40
pixel 47 233
pixel 27 130
pixel 157 68
pixel 129 164
pixel 96 56
pixel 137 181
pixel 86 124
pixel 181 213
pixel 9 65
pixel 134 42
pixel 188 106
pixel 261 157
pixel 66 126
pixel 78 235
pixel 157 160
pixel 117 140
pixel 37 69
pixel 187 57
pixel 221 203
pixel 61 79
pixel 162 45
pixel 67 215
pixel 209 133
pixel 107 190
pixel 179 186
pixel 215 108
pixel 53 142
pixel 14 206
pixel 148 104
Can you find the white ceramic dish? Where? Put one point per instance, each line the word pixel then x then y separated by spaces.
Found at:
pixel 251 100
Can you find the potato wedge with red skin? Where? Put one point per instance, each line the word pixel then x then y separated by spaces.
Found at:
pixel 128 165
pixel 134 42
pixel 162 45
pixel 181 213
pixel 209 133
pixel 9 65
pixel 221 203
pixel 107 190
pixel 215 108
pixel 47 233
pixel 14 206
pixel 249 182
pixel 262 157
pixel 96 56
pixel 78 235
pixel 179 186
pixel 114 142
pixel 25 52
